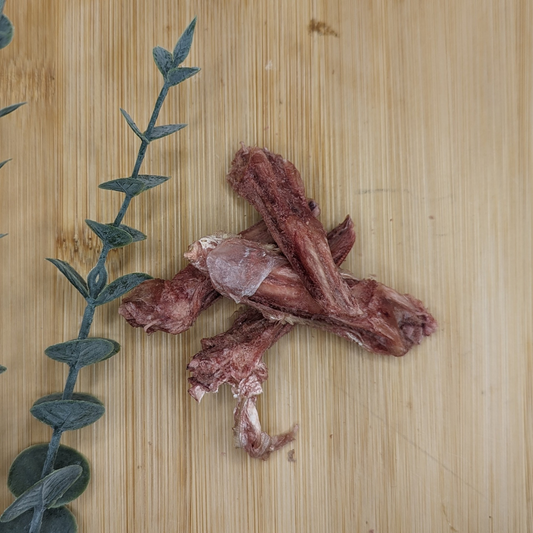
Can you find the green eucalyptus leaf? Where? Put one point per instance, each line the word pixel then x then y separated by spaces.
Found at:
pixel 44 493
pixel 67 415
pixel 151 181
pixel 130 186
pixel 59 520
pixel 183 46
pixel 83 352
pixel 162 131
pixel 2 369
pixel 133 126
pixel 4 162
pixel 121 286
pixel 58 482
pixel 9 109
pixel 136 235
pixel 179 74
pixel 71 275
pixel 26 470
pixel 6 31
pixel 2 235
pixel 2 3
pixel 163 59
pixel 111 235
pixel 134 186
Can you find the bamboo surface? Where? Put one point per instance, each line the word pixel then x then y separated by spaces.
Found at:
pixel 413 116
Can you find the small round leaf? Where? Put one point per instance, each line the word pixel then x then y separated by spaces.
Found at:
pixel 158 132
pixel 150 181
pixel 71 274
pixel 10 108
pixel 6 31
pixel 176 75
pixel 163 59
pixel 59 520
pixel 26 470
pixel 67 415
pixel 44 493
pixel 183 46
pixel 84 352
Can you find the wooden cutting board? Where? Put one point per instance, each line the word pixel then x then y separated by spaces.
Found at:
pixel 415 117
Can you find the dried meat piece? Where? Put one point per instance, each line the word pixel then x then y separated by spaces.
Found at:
pixel 391 323
pixel 375 316
pixel 169 305
pixel 235 357
pixel 274 187
pixel 173 305
pixel 219 362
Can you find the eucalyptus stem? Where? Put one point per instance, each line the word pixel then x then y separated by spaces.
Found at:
pixel 69 410
pixel 88 315
pixel 52 453
pixel 90 308
pixel 124 206
pixel 70 383
pixel 86 322
pixel 153 119
pixel 37 520
pixel 157 108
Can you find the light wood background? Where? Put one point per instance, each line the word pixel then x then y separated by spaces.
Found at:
pixel 414 116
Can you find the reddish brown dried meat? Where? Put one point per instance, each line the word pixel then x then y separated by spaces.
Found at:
pixel 260 277
pixel 274 187
pixel 235 357
pixel 174 305
pixel 300 284
pixel 219 362
pixel 375 316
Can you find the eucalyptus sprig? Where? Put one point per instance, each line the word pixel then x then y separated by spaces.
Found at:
pixel 44 478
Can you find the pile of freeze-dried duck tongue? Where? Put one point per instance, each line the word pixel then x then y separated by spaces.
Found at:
pixel 285 270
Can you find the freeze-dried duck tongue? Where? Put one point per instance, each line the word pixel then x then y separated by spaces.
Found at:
pixel 235 357
pixel 274 187
pixel 173 305
pixel 260 277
